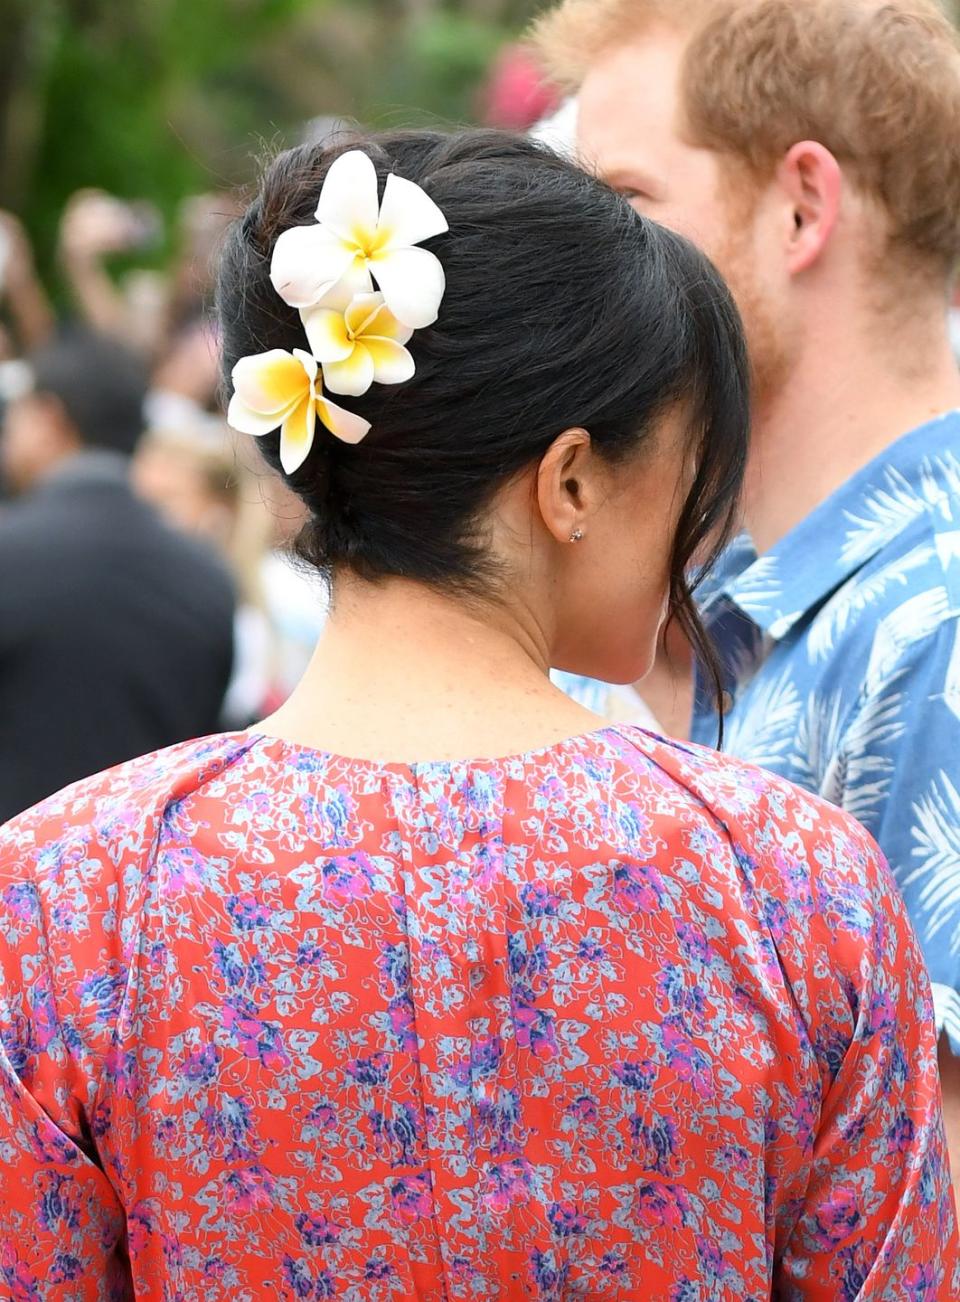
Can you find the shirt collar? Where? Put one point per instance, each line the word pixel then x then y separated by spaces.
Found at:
pixel 90 466
pixel 855 523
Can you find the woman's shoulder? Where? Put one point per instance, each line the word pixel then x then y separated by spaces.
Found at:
pixel 786 843
pixel 817 880
pixel 826 909
pixel 740 795
pixel 113 815
pixel 75 872
pixel 789 844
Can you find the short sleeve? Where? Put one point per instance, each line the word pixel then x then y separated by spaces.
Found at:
pixel 878 1219
pixel 898 773
pixel 61 982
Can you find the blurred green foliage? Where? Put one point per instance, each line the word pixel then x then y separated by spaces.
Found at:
pixel 157 99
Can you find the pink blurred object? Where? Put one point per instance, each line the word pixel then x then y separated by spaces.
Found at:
pixel 516 95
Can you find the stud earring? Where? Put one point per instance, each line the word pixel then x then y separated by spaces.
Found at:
pixel 577 535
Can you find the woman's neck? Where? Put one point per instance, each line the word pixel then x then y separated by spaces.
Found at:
pixel 404 673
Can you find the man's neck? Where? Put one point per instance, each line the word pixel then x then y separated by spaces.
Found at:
pixel 845 401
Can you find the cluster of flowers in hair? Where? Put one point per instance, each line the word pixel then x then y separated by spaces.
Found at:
pixel 356 336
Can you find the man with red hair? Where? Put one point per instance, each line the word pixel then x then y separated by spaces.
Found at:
pixel 811 147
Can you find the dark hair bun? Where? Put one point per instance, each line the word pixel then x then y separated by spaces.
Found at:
pixel 563 308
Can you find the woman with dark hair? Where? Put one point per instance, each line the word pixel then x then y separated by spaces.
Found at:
pixel 433 986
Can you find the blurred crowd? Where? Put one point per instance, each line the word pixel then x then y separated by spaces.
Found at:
pixel 148 587
pixel 113 455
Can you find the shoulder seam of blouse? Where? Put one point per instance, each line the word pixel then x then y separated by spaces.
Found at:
pixel 216 768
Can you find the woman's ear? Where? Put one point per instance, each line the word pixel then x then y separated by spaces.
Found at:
pixel 565 485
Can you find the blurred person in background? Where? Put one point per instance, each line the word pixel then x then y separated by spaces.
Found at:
pixel 30 319
pixel 191 479
pixel 295 598
pixel 97 226
pixel 94 228
pixel 811 147
pixel 164 315
pixel 27 318
pixel 205 483
pixel 115 631
pixel 516 96
pixel 183 383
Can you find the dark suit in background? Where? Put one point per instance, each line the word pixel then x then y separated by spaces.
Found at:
pixel 116 633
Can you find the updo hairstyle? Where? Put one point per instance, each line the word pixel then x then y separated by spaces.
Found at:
pixel 563 308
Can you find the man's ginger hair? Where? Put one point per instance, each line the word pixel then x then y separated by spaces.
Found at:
pixel 877 82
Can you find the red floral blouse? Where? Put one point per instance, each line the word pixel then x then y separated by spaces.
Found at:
pixel 618 1019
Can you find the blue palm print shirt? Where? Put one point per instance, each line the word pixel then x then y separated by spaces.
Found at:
pixel 841 649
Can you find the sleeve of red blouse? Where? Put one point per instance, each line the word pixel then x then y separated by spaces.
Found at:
pixel 60 985
pixel 878 1220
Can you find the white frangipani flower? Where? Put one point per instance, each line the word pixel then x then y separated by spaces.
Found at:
pixel 284 389
pixel 360 345
pixel 357 239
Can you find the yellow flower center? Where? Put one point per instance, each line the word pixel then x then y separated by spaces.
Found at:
pixel 370 243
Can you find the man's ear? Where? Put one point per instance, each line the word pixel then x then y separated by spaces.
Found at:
pixel 810 179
